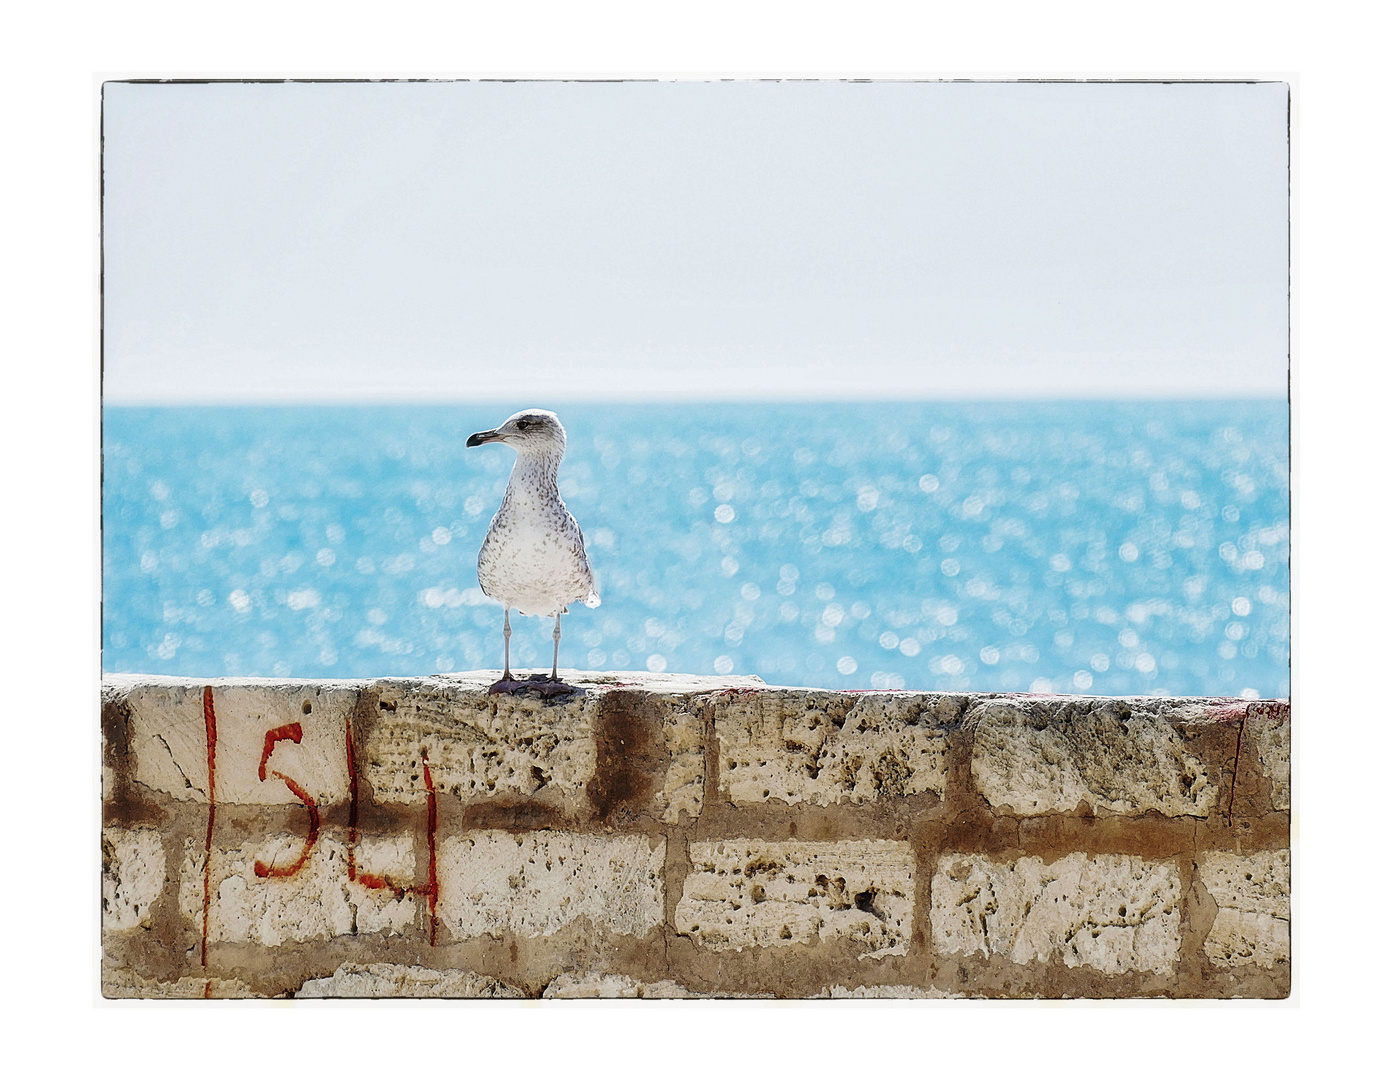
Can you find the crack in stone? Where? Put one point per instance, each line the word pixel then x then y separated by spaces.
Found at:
pixel 174 761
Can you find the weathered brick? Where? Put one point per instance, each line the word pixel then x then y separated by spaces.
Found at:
pixel 569 985
pixel 1253 897
pixel 857 993
pixel 536 883
pixel 806 747
pixel 169 742
pixel 119 982
pixel 132 877
pixel 1273 740
pixel 1048 758
pixel 745 893
pixel 405 981
pixel 684 785
pixel 499 748
pixel 318 901
pixel 1115 913
pixel 593 985
pixel 479 746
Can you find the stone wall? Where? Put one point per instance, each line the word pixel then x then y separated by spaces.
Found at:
pixel 675 836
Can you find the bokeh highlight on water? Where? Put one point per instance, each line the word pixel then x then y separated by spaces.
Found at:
pixel 1080 546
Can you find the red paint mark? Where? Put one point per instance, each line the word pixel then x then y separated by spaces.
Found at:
pixel 362 877
pixel 382 881
pixel 293 732
pixel 210 729
pixel 432 889
pixel 207 988
pixel 262 870
pixel 352 802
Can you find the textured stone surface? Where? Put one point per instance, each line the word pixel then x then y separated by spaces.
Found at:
pixel 818 748
pixel 1253 897
pixel 317 902
pixel 1273 739
pixel 860 993
pixel 536 883
pixel 405 981
pixel 745 893
pixel 593 985
pixel 1101 752
pixel 169 742
pixel 132 877
pixel 1115 913
pixel 571 849
pixel 597 985
pixel 479 746
pixel 124 983
pixel 684 785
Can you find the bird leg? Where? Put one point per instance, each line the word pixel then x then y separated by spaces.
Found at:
pixel 507 684
pixel 547 688
pixel 507 638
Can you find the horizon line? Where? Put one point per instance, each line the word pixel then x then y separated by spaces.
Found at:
pixel 438 400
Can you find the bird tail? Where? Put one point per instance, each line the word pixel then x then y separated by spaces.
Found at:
pixel 592 600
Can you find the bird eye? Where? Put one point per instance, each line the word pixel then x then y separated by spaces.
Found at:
pixel 523 425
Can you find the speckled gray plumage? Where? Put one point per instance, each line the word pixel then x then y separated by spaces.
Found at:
pixel 533 558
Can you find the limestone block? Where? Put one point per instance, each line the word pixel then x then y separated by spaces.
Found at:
pixel 1129 764
pixel 857 993
pixel 593 985
pixel 1253 897
pixel 393 859
pixel 168 737
pixel 316 902
pixel 479 747
pixel 684 786
pixel 124 983
pixel 1115 913
pixel 534 884
pixel 569 985
pixel 1273 739
pixel 405 981
pixel 825 749
pixel 769 893
pixel 132 877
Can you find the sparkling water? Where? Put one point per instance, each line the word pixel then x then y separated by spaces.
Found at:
pixel 1105 547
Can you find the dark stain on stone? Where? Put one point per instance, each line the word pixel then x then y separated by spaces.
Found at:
pixel 628 754
pixel 123 804
pixel 511 816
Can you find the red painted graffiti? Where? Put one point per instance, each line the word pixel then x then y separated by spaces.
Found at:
pixel 362 877
pixel 352 803
pixel 210 730
pixel 292 733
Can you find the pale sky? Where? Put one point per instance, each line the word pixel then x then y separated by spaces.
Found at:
pixel 755 240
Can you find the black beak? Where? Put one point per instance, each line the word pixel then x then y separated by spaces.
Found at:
pixel 481 437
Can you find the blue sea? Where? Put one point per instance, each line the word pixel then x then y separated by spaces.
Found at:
pixel 1071 546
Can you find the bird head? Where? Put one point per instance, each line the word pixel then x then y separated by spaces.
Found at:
pixel 529 431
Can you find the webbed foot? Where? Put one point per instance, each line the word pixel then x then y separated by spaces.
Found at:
pixel 546 686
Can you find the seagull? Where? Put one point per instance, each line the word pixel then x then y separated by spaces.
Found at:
pixel 533 558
